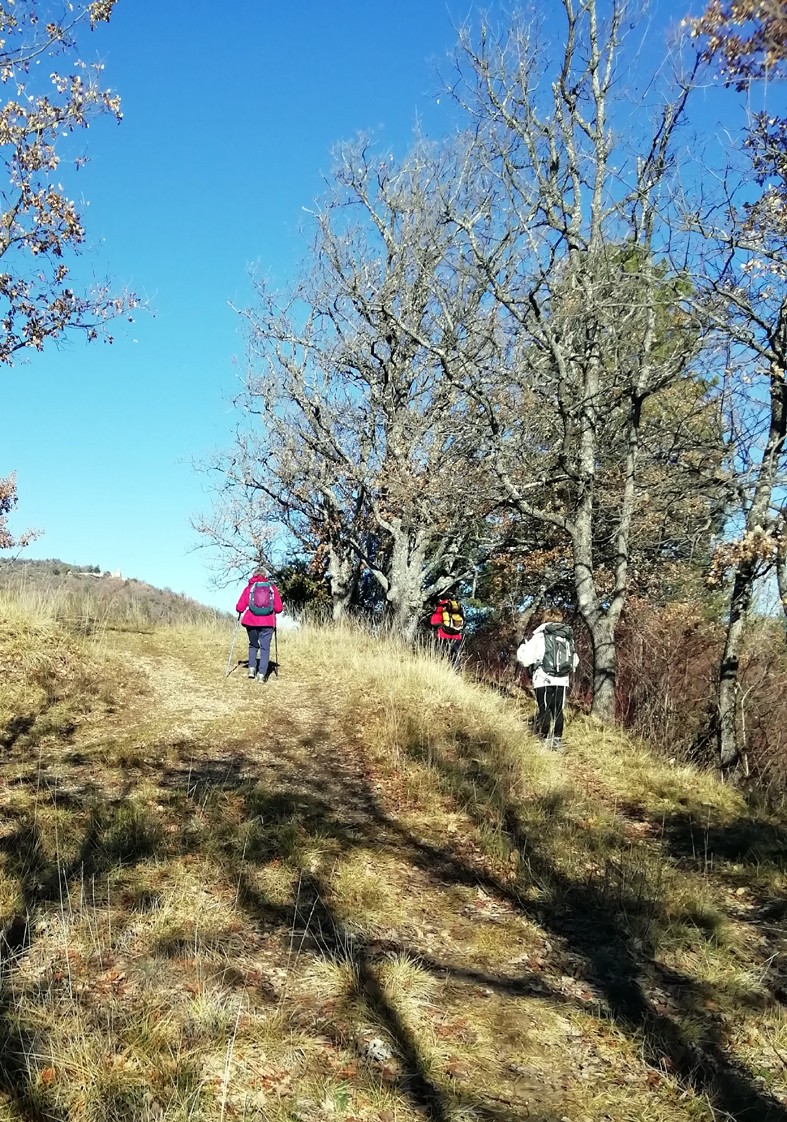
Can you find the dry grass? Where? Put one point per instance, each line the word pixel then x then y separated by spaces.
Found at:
pixel 363 892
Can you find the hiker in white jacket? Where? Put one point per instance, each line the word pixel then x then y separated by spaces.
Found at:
pixel 550 658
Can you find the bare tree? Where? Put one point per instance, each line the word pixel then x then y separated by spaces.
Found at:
pixel 743 271
pixel 566 230
pixel 745 268
pixel 358 434
pixel 237 530
pixel 275 497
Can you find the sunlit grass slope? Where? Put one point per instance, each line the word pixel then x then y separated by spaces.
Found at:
pixel 363 891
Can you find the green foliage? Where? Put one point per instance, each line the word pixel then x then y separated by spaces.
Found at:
pixel 299 586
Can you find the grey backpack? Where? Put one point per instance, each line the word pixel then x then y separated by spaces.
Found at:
pixel 558 660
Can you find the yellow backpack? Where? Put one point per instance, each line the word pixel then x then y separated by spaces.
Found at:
pixel 453 617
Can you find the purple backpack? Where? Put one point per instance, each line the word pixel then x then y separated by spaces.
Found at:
pixel 261 598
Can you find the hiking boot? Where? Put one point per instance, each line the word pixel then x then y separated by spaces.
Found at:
pixel 252 672
pixel 557 744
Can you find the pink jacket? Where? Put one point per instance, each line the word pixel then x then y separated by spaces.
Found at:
pixel 249 619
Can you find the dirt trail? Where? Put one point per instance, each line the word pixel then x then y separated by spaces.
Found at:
pixel 185 697
pixel 201 702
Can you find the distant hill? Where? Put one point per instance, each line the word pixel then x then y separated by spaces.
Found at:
pixel 87 589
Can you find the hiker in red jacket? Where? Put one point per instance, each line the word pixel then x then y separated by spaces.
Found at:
pixel 257 608
pixel 449 620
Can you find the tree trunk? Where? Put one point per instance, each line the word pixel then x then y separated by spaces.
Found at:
pixel 605 667
pixel 759 522
pixel 600 622
pixel 343 570
pixel 601 625
pixel 729 749
pixel 405 593
pixel 781 560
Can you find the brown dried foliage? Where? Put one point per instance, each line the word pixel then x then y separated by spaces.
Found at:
pixel 8 500
pixel 39 224
pixel 748 37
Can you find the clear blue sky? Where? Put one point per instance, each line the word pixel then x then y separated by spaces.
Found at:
pixel 230 112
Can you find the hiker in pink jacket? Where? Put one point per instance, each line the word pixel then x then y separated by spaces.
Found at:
pixel 257 608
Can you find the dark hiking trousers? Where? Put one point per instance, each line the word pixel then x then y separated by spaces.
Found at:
pixel 550 701
pixel 259 648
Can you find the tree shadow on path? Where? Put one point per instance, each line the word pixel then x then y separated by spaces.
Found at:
pixel 307 790
pixel 584 916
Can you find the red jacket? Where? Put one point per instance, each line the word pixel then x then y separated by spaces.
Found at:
pixel 437 621
pixel 249 619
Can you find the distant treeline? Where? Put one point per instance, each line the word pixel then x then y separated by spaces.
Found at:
pixel 50 566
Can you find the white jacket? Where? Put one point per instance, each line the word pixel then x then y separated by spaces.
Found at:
pixel 531 653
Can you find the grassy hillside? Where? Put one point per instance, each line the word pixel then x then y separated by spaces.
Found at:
pixel 86 597
pixel 363 892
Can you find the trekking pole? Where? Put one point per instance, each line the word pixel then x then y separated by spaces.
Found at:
pixel 232 647
pixel 276 649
